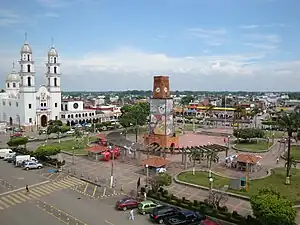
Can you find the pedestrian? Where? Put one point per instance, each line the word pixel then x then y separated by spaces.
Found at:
pixel 131 215
pixel 277 160
pixel 27 189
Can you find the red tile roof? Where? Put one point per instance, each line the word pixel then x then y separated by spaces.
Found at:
pixel 155 162
pixel 247 158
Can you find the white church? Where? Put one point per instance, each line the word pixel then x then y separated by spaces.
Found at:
pixel 23 105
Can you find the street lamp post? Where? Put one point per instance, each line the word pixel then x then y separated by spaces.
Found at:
pixel 73 155
pixel 228 146
pixel 147 174
pixel 112 168
pixel 210 184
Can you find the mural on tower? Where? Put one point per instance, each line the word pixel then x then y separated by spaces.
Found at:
pixel 161 116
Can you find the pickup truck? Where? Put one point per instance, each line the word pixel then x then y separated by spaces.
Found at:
pixel 184 217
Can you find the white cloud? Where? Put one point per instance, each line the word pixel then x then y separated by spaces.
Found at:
pixel 253 26
pixel 261 46
pixel 212 37
pixel 129 68
pixel 54 3
pixel 9 18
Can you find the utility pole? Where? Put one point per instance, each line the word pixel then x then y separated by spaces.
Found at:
pixel 112 167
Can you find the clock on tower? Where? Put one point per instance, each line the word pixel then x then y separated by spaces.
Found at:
pixel 161 87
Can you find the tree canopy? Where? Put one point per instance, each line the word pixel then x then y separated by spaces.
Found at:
pixel 57 127
pixel 270 208
pixel 136 114
pixel 160 180
pixel 248 133
pixel 46 151
pixel 17 141
pixel 187 99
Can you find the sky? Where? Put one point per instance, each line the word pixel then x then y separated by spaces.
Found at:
pixel 213 45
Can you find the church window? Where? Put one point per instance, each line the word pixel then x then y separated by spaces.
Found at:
pixel 17 104
pixel 29 81
pixel 56 118
pixel 28 68
pixel 29 106
pixel 14 85
pixel 9 103
pixel 3 103
pixel 55 69
pixel 76 115
pixel 55 81
pixel 49 82
pixel 48 69
pixel 68 116
pixel 54 59
pixel 42 104
pixel 28 57
pixel 8 85
pixel 30 120
pixel 72 116
pixel 55 104
pixel 66 108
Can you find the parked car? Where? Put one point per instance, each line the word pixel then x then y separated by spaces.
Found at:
pixel 70 132
pixel 17 134
pixel 32 165
pixel 147 207
pixel 158 214
pixel 184 217
pixel 127 203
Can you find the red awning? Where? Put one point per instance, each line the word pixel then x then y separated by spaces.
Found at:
pixel 97 149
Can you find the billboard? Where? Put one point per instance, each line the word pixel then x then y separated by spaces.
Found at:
pixel 161 116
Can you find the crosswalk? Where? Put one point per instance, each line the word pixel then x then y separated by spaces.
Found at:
pixel 21 196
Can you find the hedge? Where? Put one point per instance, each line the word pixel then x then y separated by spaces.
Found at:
pixel 204 208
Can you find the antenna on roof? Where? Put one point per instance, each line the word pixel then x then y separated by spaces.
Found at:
pixel 25 36
pixel 13 66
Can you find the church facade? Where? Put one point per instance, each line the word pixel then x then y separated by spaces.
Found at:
pixel 24 105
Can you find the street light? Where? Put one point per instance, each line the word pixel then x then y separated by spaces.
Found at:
pixel 73 158
pixel 228 146
pixel 147 174
pixel 210 184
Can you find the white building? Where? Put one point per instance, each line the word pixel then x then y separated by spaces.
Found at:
pixel 24 105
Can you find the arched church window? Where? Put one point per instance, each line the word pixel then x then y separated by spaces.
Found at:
pixel 29 81
pixel 28 57
pixel 48 69
pixel 49 82
pixel 55 69
pixel 28 68
pixel 55 82
pixel 14 85
pixel 54 59
pixel 8 85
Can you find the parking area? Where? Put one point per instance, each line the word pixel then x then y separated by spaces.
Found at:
pixel 12 177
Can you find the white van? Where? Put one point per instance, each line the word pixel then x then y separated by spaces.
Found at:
pixel 4 152
pixel 22 158
pixel 9 156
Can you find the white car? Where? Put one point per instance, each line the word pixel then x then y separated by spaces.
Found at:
pixel 70 132
pixel 32 165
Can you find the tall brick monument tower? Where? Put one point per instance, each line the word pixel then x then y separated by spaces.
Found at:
pixel 161 127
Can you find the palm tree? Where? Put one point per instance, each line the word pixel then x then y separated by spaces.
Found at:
pixel 195 155
pixel 254 112
pixel 210 109
pixel 289 122
pixel 211 156
pixel 238 114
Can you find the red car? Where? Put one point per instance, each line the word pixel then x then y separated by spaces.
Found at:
pixel 127 203
pixel 209 222
pixel 17 134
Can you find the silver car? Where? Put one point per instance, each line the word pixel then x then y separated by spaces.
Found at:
pixel 32 165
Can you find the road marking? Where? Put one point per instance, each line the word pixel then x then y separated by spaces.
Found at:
pixel 50 175
pixel 108 222
pixel 8 201
pixel 94 191
pixel 13 199
pixel 35 194
pixel 18 197
pixel 42 190
pixel 38 191
pixel 86 186
pixel 20 189
pixel 24 196
pixel 48 188
pixel 4 204
pixel 1 208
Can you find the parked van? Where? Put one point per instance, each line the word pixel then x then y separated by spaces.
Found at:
pixel 20 159
pixel 9 156
pixel 4 152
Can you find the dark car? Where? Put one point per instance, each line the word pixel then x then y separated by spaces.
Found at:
pixel 127 203
pixel 160 213
pixel 184 217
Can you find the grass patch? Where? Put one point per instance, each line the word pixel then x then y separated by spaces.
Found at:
pixel 275 181
pixel 253 146
pixel 79 146
pixel 295 152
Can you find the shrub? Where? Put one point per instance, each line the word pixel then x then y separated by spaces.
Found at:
pixel 190 205
pixel 196 203
pixel 183 199
pixel 165 193
pixel 223 209
pixel 235 214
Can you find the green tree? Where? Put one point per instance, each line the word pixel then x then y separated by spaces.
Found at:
pixel 160 180
pixel 186 100
pixel 270 208
pixel 290 122
pixel 195 154
pixel 45 151
pixel 56 127
pixel 248 133
pixel 134 115
pixel 17 141
pixel 254 113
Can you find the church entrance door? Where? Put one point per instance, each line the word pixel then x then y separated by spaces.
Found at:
pixel 44 120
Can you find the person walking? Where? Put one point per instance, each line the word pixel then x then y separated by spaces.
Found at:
pixel 27 188
pixel 277 160
pixel 131 215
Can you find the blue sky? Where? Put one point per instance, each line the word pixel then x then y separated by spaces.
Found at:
pixel 121 44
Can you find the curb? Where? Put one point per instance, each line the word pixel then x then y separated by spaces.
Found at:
pixel 71 154
pixel 254 152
